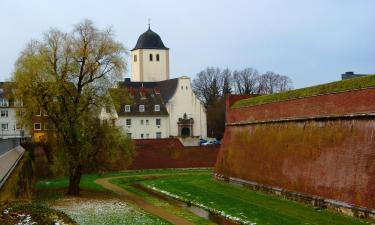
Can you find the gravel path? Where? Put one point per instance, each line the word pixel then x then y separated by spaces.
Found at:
pixel 148 207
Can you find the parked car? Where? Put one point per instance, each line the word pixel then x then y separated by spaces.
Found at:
pixel 201 141
pixel 208 143
pixel 217 142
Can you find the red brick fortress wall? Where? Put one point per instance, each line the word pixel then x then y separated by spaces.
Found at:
pixel 321 145
pixel 170 153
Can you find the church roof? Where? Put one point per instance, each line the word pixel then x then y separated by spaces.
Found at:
pixel 167 87
pixel 149 40
pixel 148 94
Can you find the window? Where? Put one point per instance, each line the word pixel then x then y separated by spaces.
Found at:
pixel 18 103
pixel 108 109
pixel 4 126
pixel 135 58
pixel 147 135
pixel 127 108
pixel 186 87
pixel 147 123
pixel 158 122
pixel 141 108
pixel 4 102
pixel 128 122
pixel 39 113
pixel 141 122
pixel 157 108
pixel 18 126
pixel 129 135
pixel 158 135
pixel 45 113
pixel 4 113
pixel 151 57
pixel 37 126
pixel 142 136
pixel 157 57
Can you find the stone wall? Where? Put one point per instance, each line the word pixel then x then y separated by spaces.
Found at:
pixel 320 146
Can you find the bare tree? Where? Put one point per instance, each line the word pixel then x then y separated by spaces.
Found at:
pixel 208 85
pixel 227 79
pixel 246 81
pixel 271 82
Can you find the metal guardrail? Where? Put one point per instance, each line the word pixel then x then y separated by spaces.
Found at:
pixel 8 144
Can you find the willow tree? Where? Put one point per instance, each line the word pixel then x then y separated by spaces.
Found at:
pixel 66 76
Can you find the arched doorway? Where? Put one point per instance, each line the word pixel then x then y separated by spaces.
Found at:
pixel 185 131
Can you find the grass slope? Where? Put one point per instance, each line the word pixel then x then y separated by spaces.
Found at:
pixel 125 183
pixel 244 204
pixel 344 85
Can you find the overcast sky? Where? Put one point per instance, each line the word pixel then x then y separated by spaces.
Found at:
pixel 312 41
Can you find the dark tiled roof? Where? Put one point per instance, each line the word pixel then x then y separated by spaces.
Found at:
pixel 167 87
pixel 149 40
pixel 148 94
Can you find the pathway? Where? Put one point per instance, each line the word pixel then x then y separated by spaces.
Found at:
pixel 148 207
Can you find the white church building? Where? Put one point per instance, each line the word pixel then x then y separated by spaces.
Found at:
pixel 150 104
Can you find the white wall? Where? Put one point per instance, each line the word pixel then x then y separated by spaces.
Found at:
pixel 136 128
pixel 185 101
pixel 11 120
pixel 145 70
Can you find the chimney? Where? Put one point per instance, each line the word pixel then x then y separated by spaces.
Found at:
pixel 157 90
pixel 142 91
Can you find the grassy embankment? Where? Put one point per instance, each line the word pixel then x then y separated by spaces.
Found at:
pixel 199 188
pixel 338 86
pixel 243 204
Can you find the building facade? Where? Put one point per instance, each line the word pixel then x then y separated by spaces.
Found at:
pixel 150 105
pixel 9 127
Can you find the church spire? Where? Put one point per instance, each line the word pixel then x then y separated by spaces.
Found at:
pixel 149 23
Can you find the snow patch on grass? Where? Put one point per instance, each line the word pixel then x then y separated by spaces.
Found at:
pixel 109 211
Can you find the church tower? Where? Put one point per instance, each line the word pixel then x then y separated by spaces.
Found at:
pixel 149 58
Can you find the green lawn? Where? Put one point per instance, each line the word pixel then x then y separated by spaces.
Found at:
pixel 129 177
pixel 198 187
pixel 244 204
pixel 88 180
pixel 344 85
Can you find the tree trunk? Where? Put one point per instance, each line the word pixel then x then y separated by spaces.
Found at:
pixel 74 180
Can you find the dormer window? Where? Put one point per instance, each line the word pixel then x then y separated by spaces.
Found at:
pixel 4 102
pixel 157 108
pixel 151 57
pixel 141 108
pixel 127 108
pixel 157 57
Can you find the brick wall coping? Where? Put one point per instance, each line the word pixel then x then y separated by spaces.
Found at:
pixel 299 119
